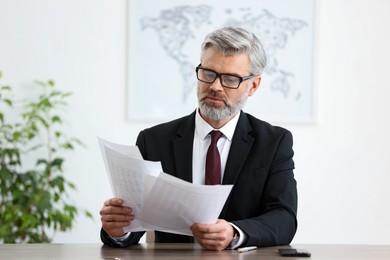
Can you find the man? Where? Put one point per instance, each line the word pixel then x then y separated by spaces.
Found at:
pixel 254 156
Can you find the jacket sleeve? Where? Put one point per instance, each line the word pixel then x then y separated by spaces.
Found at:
pixel 277 222
pixel 131 240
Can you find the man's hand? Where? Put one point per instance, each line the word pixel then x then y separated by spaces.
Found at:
pixel 213 236
pixel 115 217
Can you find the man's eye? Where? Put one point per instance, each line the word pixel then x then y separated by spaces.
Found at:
pixel 229 80
pixel 210 75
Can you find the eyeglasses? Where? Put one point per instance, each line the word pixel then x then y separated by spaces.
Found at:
pixel 227 80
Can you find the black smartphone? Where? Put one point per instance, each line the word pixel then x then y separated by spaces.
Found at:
pixel 294 252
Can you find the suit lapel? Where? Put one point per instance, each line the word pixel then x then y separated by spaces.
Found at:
pixel 182 148
pixel 239 150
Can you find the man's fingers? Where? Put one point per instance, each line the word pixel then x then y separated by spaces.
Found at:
pixel 213 236
pixel 113 202
pixel 116 218
pixel 206 232
pixel 206 228
pixel 114 206
pixel 115 210
pixel 114 225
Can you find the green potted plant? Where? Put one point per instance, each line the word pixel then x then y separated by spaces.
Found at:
pixel 34 201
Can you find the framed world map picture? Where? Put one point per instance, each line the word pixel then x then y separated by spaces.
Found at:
pixel 164 50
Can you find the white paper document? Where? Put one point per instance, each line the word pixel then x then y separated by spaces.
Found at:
pixel 159 201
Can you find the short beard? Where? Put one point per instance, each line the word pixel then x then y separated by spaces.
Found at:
pixel 217 114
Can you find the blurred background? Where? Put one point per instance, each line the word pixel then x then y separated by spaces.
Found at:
pixel 342 158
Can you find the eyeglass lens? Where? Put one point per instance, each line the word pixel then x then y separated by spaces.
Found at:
pixel 210 76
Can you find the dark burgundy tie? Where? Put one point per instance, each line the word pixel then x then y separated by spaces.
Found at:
pixel 213 161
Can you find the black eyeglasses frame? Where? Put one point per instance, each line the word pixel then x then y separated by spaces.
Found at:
pixel 218 75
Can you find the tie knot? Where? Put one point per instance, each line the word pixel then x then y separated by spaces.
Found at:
pixel 215 135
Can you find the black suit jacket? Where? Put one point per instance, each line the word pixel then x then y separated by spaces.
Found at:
pixel 263 201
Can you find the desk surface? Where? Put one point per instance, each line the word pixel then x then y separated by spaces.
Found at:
pixel 182 251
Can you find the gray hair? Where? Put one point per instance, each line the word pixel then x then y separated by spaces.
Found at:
pixel 235 41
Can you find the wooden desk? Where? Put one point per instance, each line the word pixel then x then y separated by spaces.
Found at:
pixel 182 251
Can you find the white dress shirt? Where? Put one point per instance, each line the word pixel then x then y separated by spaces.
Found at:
pixel 202 140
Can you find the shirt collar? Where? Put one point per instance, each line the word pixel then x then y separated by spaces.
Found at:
pixel 203 128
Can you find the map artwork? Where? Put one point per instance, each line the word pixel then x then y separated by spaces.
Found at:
pixel 165 49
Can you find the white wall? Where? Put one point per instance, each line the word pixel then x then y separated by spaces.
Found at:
pixel 342 164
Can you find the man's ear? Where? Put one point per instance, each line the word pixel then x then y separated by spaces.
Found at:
pixel 255 85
